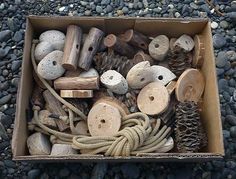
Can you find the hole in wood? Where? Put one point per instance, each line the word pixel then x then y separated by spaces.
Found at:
pixel 142 79
pixel 111 77
pixel 77 46
pixel 160 77
pixel 90 49
pixel 142 44
pixel 151 98
pixel 186 42
pixel 102 121
pixel 88 131
pixel 54 63
pixel 156 45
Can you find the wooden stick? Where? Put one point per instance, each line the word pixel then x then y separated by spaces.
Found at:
pixel 91 45
pixel 119 46
pixel 136 39
pixel 76 93
pixel 55 107
pixel 71 83
pixel 72 47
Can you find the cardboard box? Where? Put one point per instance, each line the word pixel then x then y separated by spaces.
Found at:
pixel 149 26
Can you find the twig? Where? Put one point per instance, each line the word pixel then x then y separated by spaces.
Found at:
pixel 212 6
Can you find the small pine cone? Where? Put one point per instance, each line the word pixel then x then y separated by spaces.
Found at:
pixel 188 129
pixel 109 61
pixel 179 61
pixel 80 104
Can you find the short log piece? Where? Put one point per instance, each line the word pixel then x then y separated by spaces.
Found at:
pixel 76 83
pixel 90 47
pixel 141 56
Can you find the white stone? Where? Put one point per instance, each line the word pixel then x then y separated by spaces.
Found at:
pixel 42 49
pixel 114 81
pixel 214 25
pixel 62 150
pixel 62 8
pixel 50 67
pixel 90 73
pixel 38 144
pixel 162 74
pixel 55 37
pixel 140 75
pixel 185 42
pixel 167 146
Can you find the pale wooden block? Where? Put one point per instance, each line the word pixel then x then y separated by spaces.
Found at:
pixel 76 93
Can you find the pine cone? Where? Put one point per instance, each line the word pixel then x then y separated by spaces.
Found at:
pixel 188 130
pixel 109 61
pixel 179 61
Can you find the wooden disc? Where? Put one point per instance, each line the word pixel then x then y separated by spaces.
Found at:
pixel 153 98
pixel 76 93
pixel 104 120
pixel 199 50
pixel 190 86
pixel 110 40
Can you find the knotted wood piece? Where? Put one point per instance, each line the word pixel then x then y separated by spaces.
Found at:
pixel 136 39
pixel 153 99
pixel 121 47
pixel 90 47
pixel 72 47
pixel 73 83
pixel 76 93
pixel 55 107
pixel 198 53
pixel 190 86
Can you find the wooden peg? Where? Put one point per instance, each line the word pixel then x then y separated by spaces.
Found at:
pixel 55 107
pixel 90 47
pixel 104 120
pixel 136 39
pixel 119 46
pixel 72 47
pixel 171 86
pixel 198 53
pixel 153 99
pixel 73 83
pixel 141 56
pixel 190 86
pixel 76 93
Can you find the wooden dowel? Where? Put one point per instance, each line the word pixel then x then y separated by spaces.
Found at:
pixel 73 83
pixel 90 47
pixel 72 47
pixel 119 46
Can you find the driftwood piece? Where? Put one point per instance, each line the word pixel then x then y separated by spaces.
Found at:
pixel 72 47
pixel 76 93
pixel 136 39
pixel 55 107
pixel 90 47
pixel 71 83
pixel 37 98
pixel 119 46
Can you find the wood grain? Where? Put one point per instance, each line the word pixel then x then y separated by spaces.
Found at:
pixel 76 93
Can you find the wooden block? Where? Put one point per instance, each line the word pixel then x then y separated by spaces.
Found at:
pixel 198 53
pixel 76 93
pixel 55 107
pixel 121 47
pixel 38 144
pixel 90 47
pixel 114 81
pixel 190 86
pixel 104 120
pixel 153 99
pixel 72 47
pixel 141 56
pixel 171 86
pixel 162 74
pixel 73 83
pixel 159 47
pixel 62 150
pixel 136 39
pixel 37 98
pixel 184 42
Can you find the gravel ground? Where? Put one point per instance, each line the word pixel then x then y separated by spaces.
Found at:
pixel 12 27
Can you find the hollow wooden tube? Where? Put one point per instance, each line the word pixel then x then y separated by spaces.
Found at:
pixel 119 46
pixel 73 83
pixel 72 47
pixel 136 39
pixel 90 47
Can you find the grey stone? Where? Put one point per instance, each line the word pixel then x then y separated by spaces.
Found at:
pixel 15 65
pixel 219 41
pixel 15 82
pixel 226 134
pixel 99 171
pixel 83 3
pixel 4 85
pixel 222 83
pixel 232 16
pixel 125 10
pixel 5 72
pixel 109 8
pixel 105 2
pixel 5 99
pixel 3 131
pixel 4 52
pixel 231 164
pixel 224 24
pixel 193 5
pixel 5 35
pixel 221 59
pixel 64 172
pixel 5 120
pixel 87 13
pixel 219 71
pixel 18 36
pixel 233 131
pixel 10 163
pixel 34 173
pixel 99 9
pixel 130 170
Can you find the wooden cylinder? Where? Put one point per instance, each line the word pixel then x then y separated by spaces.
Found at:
pixel 90 47
pixel 72 47
pixel 136 39
pixel 119 46
pixel 73 83
pixel 141 56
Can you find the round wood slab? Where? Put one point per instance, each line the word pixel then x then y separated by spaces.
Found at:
pixel 190 86
pixel 104 120
pixel 153 98
pixel 199 50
